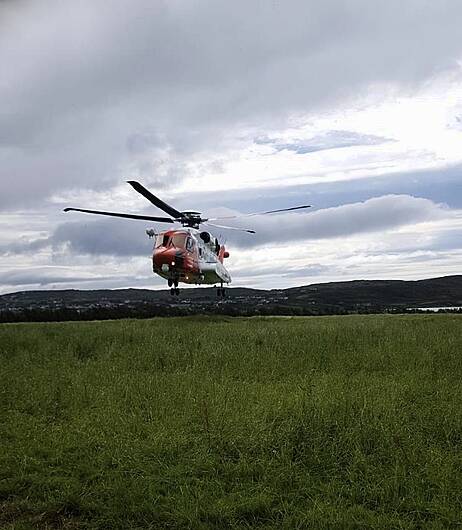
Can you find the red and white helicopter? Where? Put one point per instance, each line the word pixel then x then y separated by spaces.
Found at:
pixel 188 254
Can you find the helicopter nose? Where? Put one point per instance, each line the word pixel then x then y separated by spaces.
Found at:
pixel 167 259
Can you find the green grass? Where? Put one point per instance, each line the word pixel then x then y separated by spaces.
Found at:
pixel 327 422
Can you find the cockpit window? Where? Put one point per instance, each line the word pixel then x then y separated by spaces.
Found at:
pixel 178 240
pixel 159 240
pixel 189 244
pixel 165 240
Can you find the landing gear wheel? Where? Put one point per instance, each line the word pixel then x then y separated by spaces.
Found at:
pixel 170 282
pixel 175 283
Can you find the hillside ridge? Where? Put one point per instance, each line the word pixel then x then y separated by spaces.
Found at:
pixel 355 296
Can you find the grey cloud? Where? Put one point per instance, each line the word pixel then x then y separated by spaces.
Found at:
pixel 82 80
pixel 439 185
pixel 127 238
pixel 95 237
pixel 55 277
pixel 373 215
pixel 41 277
pixel 328 140
pixel 446 240
pixel 306 271
pixel 106 237
pixel 24 245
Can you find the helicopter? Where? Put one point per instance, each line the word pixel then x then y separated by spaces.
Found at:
pixel 189 254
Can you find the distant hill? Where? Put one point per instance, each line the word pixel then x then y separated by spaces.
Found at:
pixel 326 298
pixel 444 291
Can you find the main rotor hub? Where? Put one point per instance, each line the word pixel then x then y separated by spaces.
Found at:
pixel 191 218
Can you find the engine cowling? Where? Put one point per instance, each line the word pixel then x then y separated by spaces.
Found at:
pixel 205 236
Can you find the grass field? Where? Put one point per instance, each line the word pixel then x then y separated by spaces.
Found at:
pixel 326 422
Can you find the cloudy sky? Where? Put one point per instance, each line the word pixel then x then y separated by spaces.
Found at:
pixel 353 106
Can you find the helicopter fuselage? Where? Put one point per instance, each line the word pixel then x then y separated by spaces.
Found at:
pixel 190 256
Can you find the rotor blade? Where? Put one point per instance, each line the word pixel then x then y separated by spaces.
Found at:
pixel 155 200
pixel 231 228
pixel 261 213
pixel 124 215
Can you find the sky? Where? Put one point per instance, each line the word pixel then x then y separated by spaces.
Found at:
pixel 352 106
